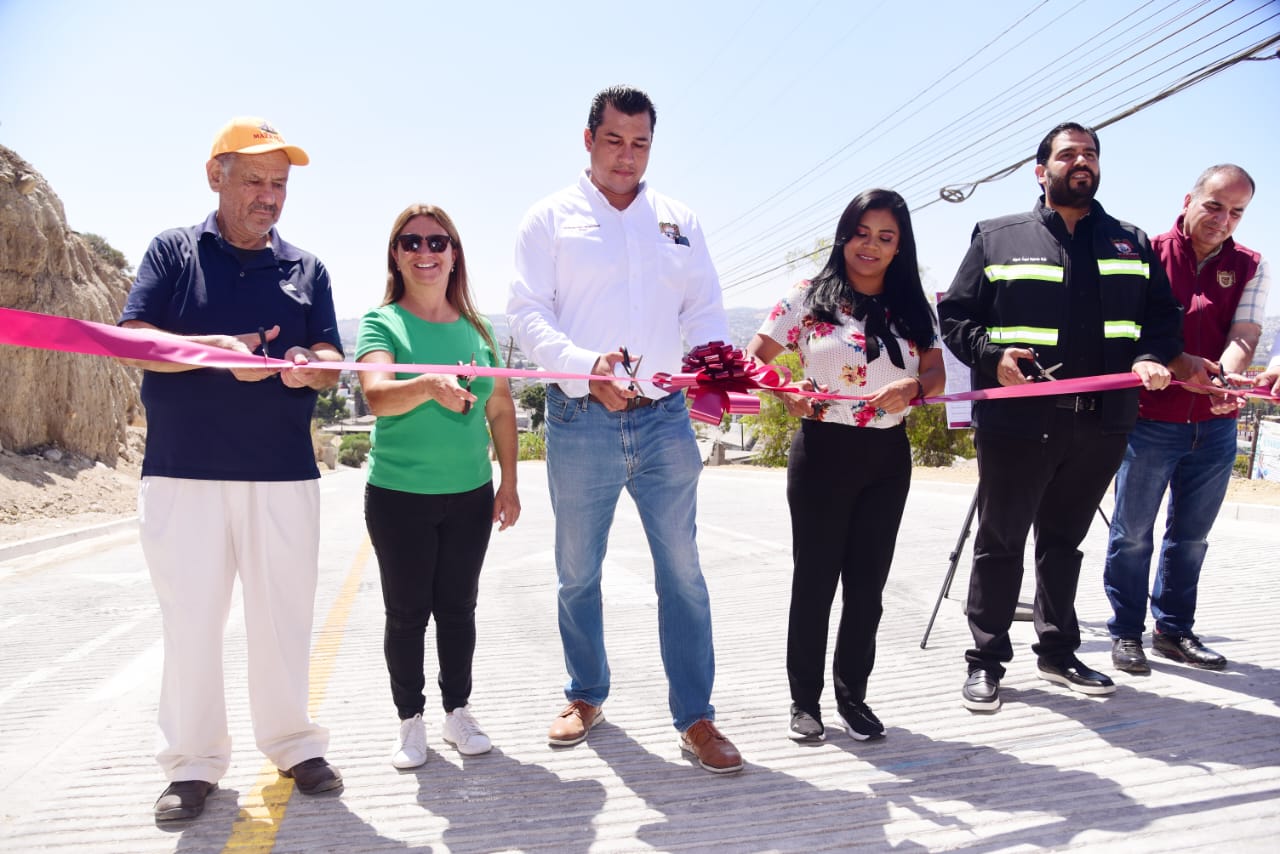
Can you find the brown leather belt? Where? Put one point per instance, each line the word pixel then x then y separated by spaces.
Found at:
pixel 632 402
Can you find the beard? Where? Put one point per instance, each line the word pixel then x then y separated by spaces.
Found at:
pixel 1062 193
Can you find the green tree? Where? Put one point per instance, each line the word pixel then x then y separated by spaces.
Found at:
pixel 330 406
pixel 933 443
pixel 532 446
pixel 773 427
pixel 106 251
pixel 533 397
pixel 359 405
pixel 354 449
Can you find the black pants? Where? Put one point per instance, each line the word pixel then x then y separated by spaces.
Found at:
pixel 846 487
pixel 1055 485
pixel 430 550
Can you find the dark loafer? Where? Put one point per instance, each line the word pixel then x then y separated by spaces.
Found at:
pixel 981 691
pixel 314 776
pixel 1188 650
pixel 1127 655
pixel 1077 676
pixel 183 800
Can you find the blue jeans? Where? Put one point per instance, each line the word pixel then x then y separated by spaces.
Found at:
pixel 1193 461
pixel 592 454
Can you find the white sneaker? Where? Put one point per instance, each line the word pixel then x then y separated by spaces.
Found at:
pixel 462 731
pixel 411 750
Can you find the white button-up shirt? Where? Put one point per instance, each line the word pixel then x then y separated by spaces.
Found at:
pixel 590 278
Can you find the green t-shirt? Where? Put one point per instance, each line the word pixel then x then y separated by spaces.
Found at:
pixel 429 450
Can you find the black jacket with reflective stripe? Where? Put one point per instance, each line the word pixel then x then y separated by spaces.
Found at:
pixel 1011 290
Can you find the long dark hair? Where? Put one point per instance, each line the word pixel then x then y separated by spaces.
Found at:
pixel 831 294
pixel 457 292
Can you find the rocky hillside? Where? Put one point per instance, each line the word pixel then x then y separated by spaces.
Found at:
pixel 82 404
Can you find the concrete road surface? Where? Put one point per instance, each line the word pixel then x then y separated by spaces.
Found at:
pixel 1180 760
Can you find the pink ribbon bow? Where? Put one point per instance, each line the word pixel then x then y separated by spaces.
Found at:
pixel 719 378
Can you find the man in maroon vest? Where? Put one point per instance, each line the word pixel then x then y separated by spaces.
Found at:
pixel 1184 441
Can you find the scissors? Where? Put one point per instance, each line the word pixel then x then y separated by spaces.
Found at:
pixel 1045 374
pixel 262 342
pixel 1222 378
pixel 632 368
pixel 465 382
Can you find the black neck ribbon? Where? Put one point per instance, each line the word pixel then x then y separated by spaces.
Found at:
pixel 871 312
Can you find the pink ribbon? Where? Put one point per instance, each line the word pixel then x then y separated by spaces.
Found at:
pixel 67 334
pixel 718 376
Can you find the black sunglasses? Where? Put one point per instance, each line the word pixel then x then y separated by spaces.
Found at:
pixel 413 242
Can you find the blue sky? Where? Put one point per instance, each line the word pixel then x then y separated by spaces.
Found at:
pixel 771 115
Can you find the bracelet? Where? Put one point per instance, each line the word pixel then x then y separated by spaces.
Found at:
pixel 919 389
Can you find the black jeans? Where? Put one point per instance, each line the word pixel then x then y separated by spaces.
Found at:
pixel 430 550
pixel 1055 485
pixel 846 487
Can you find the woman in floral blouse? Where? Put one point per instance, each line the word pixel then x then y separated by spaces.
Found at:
pixel 862 326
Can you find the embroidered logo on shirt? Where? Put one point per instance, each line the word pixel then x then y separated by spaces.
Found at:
pixel 1124 248
pixel 672 232
pixel 1226 278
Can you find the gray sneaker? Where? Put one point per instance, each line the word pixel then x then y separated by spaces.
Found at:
pixel 805 727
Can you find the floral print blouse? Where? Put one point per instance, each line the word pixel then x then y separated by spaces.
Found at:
pixel 836 356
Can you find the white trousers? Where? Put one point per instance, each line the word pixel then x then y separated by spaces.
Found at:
pixel 197 535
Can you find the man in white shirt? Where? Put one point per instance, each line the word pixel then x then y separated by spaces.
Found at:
pixel 607 271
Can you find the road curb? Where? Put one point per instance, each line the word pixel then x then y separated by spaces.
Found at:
pixel 21 548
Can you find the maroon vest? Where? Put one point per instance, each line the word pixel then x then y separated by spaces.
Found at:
pixel 1209 299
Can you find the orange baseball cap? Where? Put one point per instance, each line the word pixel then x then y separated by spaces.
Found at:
pixel 252 135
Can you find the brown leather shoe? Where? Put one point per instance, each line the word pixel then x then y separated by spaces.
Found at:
pixel 572 725
pixel 714 752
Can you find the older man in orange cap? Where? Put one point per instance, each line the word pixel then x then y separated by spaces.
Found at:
pixel 221 499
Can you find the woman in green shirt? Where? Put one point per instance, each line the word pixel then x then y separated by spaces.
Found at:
pixel 430 502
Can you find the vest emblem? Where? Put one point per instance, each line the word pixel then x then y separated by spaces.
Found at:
pixel 1227 278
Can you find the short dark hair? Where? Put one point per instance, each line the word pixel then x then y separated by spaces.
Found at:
pixel 625 99
pixel 909 310
pixel 1046 144
pixel 1223 169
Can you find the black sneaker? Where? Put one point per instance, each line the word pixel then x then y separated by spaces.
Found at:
pixel 1188 650
pixel 805 727
pixel 1077 676
pixel 981 691
pixel 860 721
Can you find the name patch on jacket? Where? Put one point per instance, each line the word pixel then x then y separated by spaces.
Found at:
pixel 1124 249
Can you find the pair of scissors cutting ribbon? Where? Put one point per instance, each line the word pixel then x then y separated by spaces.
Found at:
pixel 1045 374
pixel 632 368
pixel 465 381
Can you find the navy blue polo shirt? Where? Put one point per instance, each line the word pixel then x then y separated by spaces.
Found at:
pixel 204 423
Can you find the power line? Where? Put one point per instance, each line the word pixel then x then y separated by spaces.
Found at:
pixel 914 171
pixel 958 194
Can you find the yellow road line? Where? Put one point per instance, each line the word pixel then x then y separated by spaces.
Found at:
pixel 262 809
